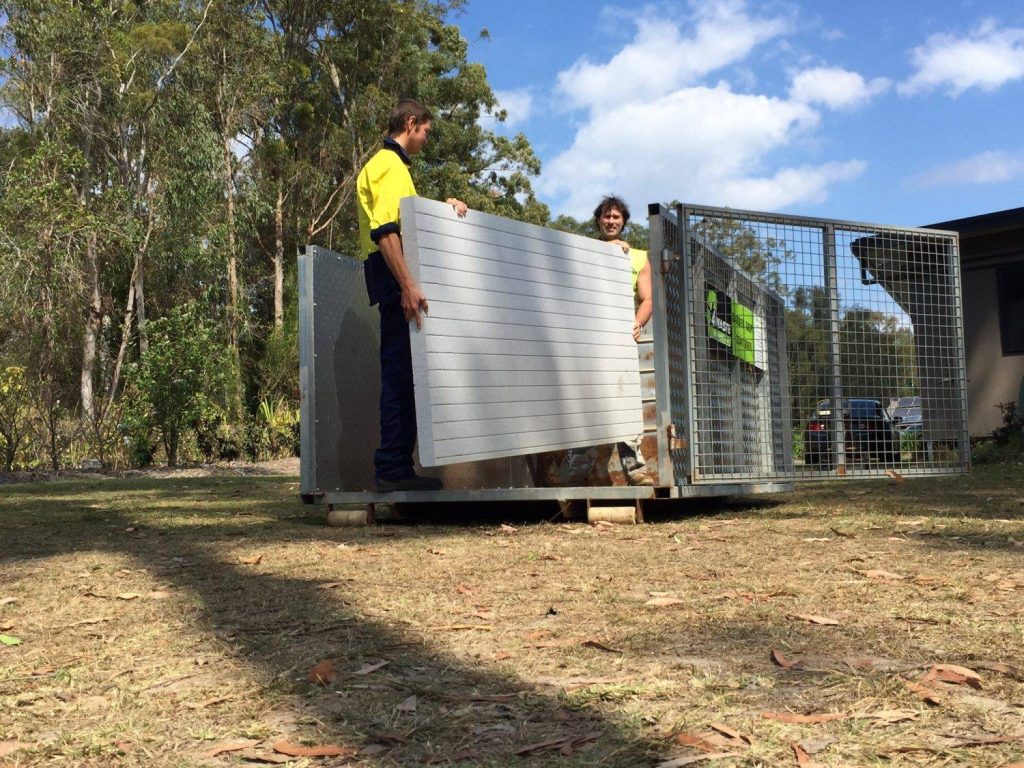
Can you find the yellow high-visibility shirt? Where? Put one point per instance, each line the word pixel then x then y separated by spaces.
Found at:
pixel 384 180
pixel 637 259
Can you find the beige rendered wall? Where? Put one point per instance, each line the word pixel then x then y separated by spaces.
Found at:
pixel 991 378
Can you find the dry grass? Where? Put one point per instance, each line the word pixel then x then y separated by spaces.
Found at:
pixel 150 635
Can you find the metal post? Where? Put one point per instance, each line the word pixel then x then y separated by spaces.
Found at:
pixel 686 275
pixel 660 257
pixel 832 281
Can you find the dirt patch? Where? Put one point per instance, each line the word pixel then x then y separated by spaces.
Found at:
pixel 175 621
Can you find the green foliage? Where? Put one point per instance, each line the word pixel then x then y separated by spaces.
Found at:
pixel 15 413
pixel 160 147
pixel 175 382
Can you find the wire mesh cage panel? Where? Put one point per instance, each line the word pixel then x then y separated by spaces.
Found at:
pixel 803 348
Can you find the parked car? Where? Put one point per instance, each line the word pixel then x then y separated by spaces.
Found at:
pixel 869 433
pixel 906 416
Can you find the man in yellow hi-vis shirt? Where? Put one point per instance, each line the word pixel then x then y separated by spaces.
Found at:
pixel 610 217
pixel 381 184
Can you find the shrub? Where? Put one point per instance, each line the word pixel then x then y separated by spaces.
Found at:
pixel 177 380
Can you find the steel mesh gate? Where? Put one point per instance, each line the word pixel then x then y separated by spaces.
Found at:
pixel 802 348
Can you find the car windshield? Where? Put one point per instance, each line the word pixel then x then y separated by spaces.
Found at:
pixel 910 413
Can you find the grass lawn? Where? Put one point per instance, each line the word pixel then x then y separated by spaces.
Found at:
pixel 848 623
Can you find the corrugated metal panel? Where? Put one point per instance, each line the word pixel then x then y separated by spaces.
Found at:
pixel 527 346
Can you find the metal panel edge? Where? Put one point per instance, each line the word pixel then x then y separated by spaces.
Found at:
pixel 417 341
pixel 659 330
pixel 307 392
pixel 777 218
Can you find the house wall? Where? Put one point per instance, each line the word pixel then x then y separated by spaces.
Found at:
pixel 991 377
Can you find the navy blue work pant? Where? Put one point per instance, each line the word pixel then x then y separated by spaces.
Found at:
pixel 393 459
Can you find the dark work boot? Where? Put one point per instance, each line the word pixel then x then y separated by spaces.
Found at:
pixel 411 483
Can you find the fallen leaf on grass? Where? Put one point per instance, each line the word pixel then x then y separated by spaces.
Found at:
pixel 10 640
pixel 6 626
pixel 892 474
pixel 952 673
pixel 564 642
pixel 438 552
pixel 708 741
pixel 815 619
pixel 323 750
pixel 129 596
pixel 251 560
pixel 883 575
pixel 234 746
pixel 463 628
pixel 250 756
pixel 729 733
pixel 7 601
pixel 207 703
pixel 803 759
pixel 368 668
pixel 551 556
pixel 97 620
pixel 954 741
pixel 814 746
pixel 463 589
pixel 817 538
pixel 502 655
pixel 792 717
pixel 322 674
pixel 561 744
pixel 663 602
pixel 927 694
pixel 779 658
pixel 1000 667
pixel 505 528
pixel 599 646
pixel 890 716
pixel 409 705
pixel 159 594
pixel 679 762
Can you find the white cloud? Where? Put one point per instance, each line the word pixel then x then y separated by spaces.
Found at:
pixel 986 59
pixel 653 131
pixel 835 88
pixel 696 143
pixel 985 168
pixel 660 59
pixel 519 105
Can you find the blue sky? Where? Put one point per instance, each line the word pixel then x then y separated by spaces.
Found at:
pixel 886 112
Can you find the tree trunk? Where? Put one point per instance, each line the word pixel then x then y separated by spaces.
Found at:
pixel 93 321
pixel 140 308
pixel 126 334
pixel 279 257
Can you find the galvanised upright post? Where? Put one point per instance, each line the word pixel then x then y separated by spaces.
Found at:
pixel 662 258
pixel 832 282
pixel 689 339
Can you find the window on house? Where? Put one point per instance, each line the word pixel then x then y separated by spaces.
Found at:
pixel 1010 281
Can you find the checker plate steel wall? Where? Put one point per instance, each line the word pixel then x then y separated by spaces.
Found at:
pixel 528 343
pixel 339 373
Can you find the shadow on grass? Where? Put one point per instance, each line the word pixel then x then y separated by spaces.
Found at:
pixel 280 626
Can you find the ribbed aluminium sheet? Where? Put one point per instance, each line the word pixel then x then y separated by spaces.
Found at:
pixel 528 345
